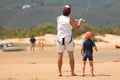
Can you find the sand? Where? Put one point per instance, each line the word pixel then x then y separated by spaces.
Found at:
pixel 42 65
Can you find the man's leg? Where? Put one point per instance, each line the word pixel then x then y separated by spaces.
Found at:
pixel 34 47
pixel 72 63
pixel 60 57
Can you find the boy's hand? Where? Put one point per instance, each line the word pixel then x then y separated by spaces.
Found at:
pixel 81 53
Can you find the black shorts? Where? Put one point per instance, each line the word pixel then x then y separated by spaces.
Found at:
pixel 89 56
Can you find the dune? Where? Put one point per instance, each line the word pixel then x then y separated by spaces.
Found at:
pixel 50 39
pixel 47 39
pixel 110 38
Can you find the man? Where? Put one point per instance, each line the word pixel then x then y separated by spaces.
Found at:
pixel 32 45
pixel 64 37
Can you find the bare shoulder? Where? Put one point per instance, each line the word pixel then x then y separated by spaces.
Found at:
pixel 58 18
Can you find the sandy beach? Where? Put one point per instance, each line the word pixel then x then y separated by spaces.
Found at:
pixel 38 65
pixel 42 65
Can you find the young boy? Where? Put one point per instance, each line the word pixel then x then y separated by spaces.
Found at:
pixel 87 52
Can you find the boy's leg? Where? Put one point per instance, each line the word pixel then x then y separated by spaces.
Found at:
pixel 91 67
pixel 60 57
pixel 91 64
pixel 72 63
pixel 84 64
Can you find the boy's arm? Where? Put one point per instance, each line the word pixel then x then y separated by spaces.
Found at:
pixel 95 47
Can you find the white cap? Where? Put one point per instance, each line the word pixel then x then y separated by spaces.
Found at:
pixel 67 6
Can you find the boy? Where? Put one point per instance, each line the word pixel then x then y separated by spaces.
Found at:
pixel 87 52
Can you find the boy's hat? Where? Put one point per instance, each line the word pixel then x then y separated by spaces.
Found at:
pixel 88 35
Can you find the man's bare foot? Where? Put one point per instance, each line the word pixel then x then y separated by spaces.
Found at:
pixel 92 75
pixel 73 74
pixel 60 75
pixel 83 75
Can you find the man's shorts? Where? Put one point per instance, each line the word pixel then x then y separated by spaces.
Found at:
pixel 89 56
pixel 69 45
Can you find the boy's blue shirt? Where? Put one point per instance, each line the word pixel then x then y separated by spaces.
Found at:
pixel 88 45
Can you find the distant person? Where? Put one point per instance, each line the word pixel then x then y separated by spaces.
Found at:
pixel 87 52
pixel 10 44
pixel 64 37
pixel 41 45
pixel 32 43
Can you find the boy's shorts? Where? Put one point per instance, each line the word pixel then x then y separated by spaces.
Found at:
pixel 89 56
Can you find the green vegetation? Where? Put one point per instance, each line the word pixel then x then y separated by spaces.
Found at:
pixel 22 33
pixel 41 30
pixel 100 13
pixel 97 30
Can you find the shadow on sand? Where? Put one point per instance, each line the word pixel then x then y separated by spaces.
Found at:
pixel 88 75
